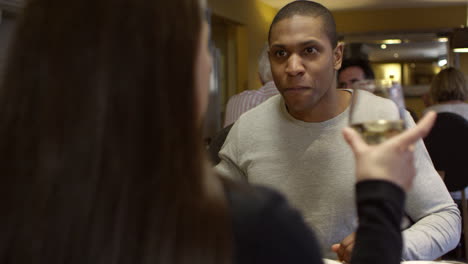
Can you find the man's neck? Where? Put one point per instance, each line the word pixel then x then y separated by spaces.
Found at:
pixel 334 104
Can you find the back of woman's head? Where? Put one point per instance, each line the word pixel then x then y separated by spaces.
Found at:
pixel 100 147
pixel 450 84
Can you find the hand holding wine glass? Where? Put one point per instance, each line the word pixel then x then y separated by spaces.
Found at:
pixel 391 160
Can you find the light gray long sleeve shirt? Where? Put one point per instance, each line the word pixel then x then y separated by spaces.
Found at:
pixel 311 164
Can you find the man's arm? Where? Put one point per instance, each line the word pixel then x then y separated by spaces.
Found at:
pixel 438 223
pixel 229 166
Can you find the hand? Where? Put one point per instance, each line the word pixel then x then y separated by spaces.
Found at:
pixel 345 248
pixel 391 160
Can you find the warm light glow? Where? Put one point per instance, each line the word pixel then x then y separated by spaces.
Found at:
pixel 383 46
pixel 391 41
pixel 442 39
pixel 461 50
pixel 442 62
pixel 386 70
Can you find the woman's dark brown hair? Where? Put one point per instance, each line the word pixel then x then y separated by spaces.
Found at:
pixel 100 149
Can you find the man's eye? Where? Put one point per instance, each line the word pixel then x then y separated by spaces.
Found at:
pixel 311 50
pixel 280 53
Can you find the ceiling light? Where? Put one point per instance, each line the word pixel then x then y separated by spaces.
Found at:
pixel 442 39
pixel 391 41
pixel 383 46
pixel 461 50
pixel 395 55
pixel 442 62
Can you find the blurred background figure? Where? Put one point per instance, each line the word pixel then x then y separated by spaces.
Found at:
pixel 448 93
pixel 448 142
pixel 354 70
pixel 241 103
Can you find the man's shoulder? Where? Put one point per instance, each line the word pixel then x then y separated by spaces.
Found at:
pixel 265 110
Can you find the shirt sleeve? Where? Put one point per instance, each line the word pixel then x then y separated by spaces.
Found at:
pixel 380 210
pixel 437 219
pixel 228 166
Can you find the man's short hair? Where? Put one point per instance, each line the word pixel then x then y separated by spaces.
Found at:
pixel 264 68
pixel 363 64
pixel 310 9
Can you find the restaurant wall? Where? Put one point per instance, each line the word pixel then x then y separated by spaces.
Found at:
pixel 254 19
pixel 400 19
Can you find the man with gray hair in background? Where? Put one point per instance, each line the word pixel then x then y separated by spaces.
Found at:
pixel 241 103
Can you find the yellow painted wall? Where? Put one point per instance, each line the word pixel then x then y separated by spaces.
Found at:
pixel 400 19
pixel 255 17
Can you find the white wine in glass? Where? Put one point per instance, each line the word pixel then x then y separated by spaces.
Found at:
pixel 377 125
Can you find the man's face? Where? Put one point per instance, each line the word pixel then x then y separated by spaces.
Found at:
pixel 303 62
pixel 350 75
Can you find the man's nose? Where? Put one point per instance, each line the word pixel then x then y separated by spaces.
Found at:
pixel 294 66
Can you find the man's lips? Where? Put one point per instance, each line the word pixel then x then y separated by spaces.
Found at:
pixel 296 89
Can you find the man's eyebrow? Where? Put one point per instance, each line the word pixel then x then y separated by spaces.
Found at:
pixel 304 43
pixel 278 46
pixel 309 42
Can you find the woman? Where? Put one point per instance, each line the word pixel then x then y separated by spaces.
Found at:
pixel 102 158
pixel 448 93
pixel 447 96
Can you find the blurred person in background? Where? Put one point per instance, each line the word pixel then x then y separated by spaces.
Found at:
pixel 448 93
pixel 448 143
pixel 102 163
pixel 354 70
pixel 241 103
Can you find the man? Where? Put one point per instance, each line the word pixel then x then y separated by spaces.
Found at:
pixel 354 70
pixel 294 143
pixel 241 103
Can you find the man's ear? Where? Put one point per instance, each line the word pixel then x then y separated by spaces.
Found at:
pixel 338 56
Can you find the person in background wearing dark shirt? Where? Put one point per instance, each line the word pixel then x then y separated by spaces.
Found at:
pixel 354 70
pixel 103 163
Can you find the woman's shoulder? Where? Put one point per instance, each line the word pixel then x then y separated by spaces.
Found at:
pixel 266 229
pixel 249 200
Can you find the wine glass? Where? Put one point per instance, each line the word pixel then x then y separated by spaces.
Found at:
pixel 377 109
